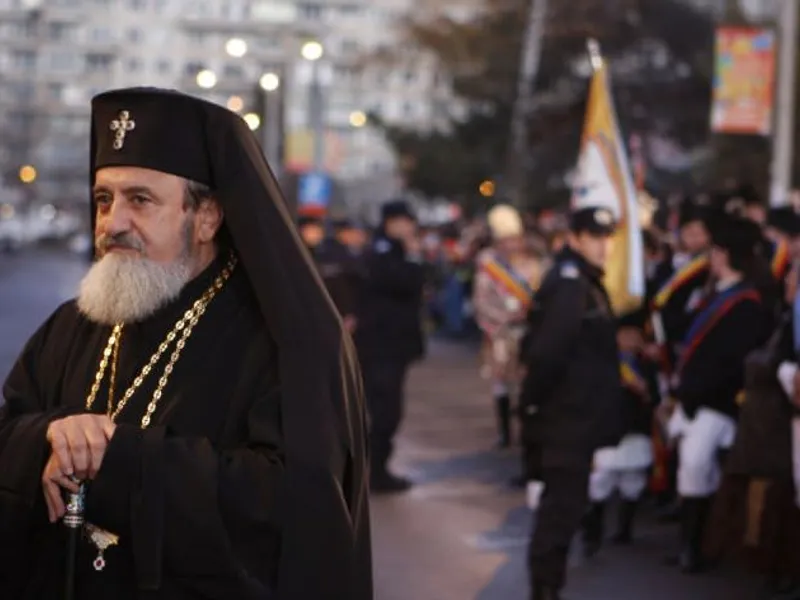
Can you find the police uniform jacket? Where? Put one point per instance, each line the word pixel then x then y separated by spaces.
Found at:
pixel 389 310
pixel 572 401
pixel 341 272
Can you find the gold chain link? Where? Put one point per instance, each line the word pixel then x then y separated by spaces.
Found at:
pixel 184 327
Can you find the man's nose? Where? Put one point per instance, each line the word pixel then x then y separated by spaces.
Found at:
pixel 117 217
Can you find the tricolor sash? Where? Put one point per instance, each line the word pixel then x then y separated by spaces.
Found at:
pixel 506 277
pixel 695 268
pixel 629 371
pixel 710 316
pixel 780 260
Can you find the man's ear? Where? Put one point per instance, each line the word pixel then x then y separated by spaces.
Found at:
pixel 209 220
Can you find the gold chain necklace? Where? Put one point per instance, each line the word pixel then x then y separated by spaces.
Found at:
pixel 101 539
pixel 183 328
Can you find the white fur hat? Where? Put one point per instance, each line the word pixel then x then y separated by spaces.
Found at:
pixel 505 222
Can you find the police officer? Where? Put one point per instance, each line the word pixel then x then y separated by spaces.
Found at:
pixel 572 396
pixel 340 268
pixel 389 331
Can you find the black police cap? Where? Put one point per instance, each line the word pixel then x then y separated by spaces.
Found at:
pixel 596 220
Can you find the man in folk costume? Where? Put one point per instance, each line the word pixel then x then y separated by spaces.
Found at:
pixel 674 304
pixel 731 323
pixel 505 280
pixel 624 468
pixel 200 388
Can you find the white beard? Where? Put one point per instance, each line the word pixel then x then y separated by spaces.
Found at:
pixel 128 289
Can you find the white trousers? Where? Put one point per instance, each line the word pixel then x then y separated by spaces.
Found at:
pixel 701 438
pixel 623 468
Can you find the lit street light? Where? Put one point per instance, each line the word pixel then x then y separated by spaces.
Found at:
pixel 235 103
pixel 358 118
pixel 269 82
pixel 312 51
pixel 236 47
pixel 206 79
pixel 253 121
pixel 27 174
pixel 486 188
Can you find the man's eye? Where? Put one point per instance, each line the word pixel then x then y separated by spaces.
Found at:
pixel 139 199
pixel 102 200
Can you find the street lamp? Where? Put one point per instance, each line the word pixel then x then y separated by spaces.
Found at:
pixel 253 121
pixel 269 82
pixel 312 51
pixel 235 103
pixel 27 174
pixel 236 47
pixel 206 79
pixel 358 118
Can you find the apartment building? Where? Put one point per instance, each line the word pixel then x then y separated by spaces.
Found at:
pixel 56 54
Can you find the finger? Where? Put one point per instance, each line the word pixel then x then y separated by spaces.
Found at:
pixel 67 483
pixel 97 443
pixel 60 446
pixel 109 427
pixel 55 502
pixel 79 450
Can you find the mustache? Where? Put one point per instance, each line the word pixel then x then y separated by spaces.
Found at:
pixel 124 240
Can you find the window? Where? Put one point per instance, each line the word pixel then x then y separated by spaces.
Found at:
pixel 63 61
pixel 310 11
pixel 55 91
pixel 193 68
pixel 233 71
pixel 22 91
pixel 23 59
pixel 133 65
pixel 61 31
pixel 137 4
pixel 134 35
pixel 163 66
pixel 350 46
pixel 198 38
pixel 101 35
pixel 99 63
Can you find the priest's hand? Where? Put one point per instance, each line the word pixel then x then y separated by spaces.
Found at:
pixel 79 442
pixel 54 480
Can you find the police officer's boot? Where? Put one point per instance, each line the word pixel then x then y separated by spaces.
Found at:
pixel 503 410
pixel 543 591
pixel 695 513
pixel 593 529
pixel 627 513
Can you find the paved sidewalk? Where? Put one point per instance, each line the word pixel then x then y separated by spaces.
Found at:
pixel 461 534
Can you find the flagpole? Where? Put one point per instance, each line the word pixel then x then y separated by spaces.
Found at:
pixel 595 55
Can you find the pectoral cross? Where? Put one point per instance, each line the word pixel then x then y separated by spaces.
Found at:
pixel 121 126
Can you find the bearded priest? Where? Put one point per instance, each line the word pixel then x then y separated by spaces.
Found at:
pixel 200 388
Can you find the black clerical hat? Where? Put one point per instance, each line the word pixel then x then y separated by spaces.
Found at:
pixel 155 129
pixel 597 220
pixel 321 493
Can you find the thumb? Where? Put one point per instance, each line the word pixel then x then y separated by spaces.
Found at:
pixel 108 427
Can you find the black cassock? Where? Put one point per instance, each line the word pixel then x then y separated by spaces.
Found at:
pixel 193 496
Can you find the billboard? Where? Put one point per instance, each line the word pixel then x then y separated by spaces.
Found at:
pixel 744 81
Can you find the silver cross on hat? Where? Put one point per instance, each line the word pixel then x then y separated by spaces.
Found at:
pixel 121 126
